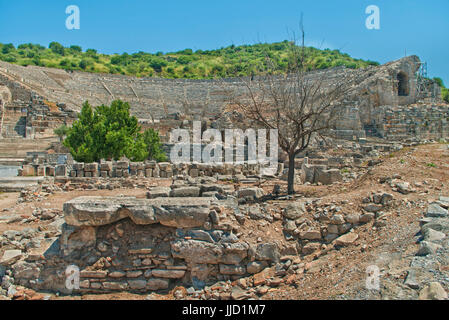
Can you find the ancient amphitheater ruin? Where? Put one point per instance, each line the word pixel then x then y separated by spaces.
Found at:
pixel 200 231
pixel 36 98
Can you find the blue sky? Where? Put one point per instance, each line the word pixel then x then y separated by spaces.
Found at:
pixel 110 26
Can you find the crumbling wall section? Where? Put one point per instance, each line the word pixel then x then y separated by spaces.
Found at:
pixel 125 169
pixel 142 245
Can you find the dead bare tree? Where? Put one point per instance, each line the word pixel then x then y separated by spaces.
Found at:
pixel 298 104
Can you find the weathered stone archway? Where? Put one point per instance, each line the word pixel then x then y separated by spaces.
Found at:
pixel 403 84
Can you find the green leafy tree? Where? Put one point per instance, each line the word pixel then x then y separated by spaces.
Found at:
pixel 139 150
pixel 79 140
pixel 83 64
pixel 57 48
pixel 110 132
pixel 7 48
pixel 76 49
pixel 61 131
pixel 153 141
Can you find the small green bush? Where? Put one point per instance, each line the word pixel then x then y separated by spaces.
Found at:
pixel 110 132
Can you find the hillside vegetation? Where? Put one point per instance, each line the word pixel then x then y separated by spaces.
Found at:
pixel 231 61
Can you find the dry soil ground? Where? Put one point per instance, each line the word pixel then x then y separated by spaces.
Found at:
pixel 339 274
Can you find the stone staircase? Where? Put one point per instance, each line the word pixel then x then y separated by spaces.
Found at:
pixel 422 121
pixel 13 125
pixel 18 147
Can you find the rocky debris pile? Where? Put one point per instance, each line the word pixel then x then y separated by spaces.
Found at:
pixel 344 162
pixel 185 186
pixel 320 230
pixel 397 184
pixel 37 192
pixel 69 184
pixel 21 257
pixel 20 293
pixel 139 245
pixel 44 214
pixel 428 273
pixel 257 211
pixel 374 207
pixel 39 214
pixel 318 227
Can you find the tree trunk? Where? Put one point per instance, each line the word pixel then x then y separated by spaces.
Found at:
pixel 291 174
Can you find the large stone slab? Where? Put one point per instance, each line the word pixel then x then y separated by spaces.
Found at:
pixel 253 192
pixel 94 211
pixel 158 192
pixel 346 239
pixel 327 177
pixel 181 212
pixel 294 210
pixel 435 210
pixel 10 256
pixel 185 192
pixel 173 212
pixel 196 251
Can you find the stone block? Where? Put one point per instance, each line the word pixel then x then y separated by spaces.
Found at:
pixel 155 284
pixel 170 274
pixel 172 212
pixel 157 192
pixel 232 269
pixel 90 167
pixel 185 192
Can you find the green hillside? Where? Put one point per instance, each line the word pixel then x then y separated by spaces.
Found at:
pixel 231 61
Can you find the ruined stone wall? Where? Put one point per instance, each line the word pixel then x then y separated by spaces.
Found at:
pixel 140 245
pixel 420 122
pixel 125 169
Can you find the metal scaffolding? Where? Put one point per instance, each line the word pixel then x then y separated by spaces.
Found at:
pixel 422 80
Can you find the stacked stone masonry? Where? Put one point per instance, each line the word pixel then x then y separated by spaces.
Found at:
pixel 141 245
pixel 125 169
